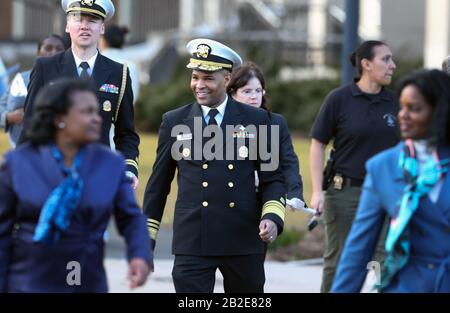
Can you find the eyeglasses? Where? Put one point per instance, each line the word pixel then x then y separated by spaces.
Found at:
pixel 249 92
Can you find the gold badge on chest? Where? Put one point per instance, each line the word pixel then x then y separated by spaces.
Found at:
pixel 107 106
pixel 243 152
pixel 186 152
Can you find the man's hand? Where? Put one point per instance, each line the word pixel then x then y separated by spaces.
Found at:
pixel 317 201
pixel 138 270
pixel 134 180
pixel 268 230
pixel 15 117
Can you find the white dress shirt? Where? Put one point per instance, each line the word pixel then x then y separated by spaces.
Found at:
pixel 219 116
pixel 91 63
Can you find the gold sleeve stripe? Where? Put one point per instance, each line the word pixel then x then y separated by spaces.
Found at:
pixel 153 233
pixel 150 224
pixel 151 220
pixel 132 163
pixel 274 207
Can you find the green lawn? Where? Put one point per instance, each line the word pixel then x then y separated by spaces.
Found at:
pixel 147 157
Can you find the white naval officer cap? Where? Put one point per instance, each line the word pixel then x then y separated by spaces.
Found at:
pixel 209 55
pixel 98 8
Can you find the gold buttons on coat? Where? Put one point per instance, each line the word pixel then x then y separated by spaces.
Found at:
pixel 231 204
pixel 230 166
pixel 205 184
pixel 230 184
pixel 205 204
pixel 205 166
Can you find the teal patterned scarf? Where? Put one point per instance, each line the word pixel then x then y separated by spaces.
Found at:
pixel 62 201
pixel 418 184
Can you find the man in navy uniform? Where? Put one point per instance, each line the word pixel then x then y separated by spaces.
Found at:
pixel 85 24
pixel 220 221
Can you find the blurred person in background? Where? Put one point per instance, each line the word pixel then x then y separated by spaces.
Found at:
pixel 361 120
pixel 111 44
pixel 73 185
pixel 408 183
pixel 446 65
pixel 12 103
pixel 3 78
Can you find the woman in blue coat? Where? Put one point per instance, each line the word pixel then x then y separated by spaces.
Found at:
pixel 247 85
pixel 57 195
pixel 410 184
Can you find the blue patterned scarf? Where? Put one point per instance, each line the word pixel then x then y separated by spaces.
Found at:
pixel 62 201
pixel 418 184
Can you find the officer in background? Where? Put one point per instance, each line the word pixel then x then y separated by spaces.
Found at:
pixel 360 119
pixel 11 104
pixel 85 24
pixel 446 65
pixel 218 221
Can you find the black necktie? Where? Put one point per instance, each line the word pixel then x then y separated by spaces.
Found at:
pixel 212 121
pixel 84 72
pixel 212 114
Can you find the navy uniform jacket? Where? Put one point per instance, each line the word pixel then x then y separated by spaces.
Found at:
pixel 27 177
pixel 105 71
pixel 428 269
pixel 288 159
pixel 217 212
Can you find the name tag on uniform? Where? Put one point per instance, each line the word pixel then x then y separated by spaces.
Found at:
pixel 184 136
pixel 243 135
pixel 110 88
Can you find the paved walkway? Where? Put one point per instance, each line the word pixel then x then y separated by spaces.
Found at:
pixel 282 277
pixel 285 277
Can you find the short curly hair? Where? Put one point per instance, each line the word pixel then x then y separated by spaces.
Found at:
pixel 52 101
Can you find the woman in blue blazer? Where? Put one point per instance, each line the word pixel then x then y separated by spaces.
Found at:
pixel 410 184
pixel 57 194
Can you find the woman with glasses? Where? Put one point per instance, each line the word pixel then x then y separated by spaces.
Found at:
pixel 247 85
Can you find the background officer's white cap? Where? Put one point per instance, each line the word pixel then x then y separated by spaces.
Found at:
pixel 209 55
pixel 99 8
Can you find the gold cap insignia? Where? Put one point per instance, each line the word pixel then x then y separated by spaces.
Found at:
pixel 87 2
pixel 107 106
pixel 203 51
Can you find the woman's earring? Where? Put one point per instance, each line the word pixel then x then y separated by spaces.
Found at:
pixel 61 125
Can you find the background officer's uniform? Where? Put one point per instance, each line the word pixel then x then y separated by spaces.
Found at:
pixel 361 125
pixel 217 213
pixel 110 79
